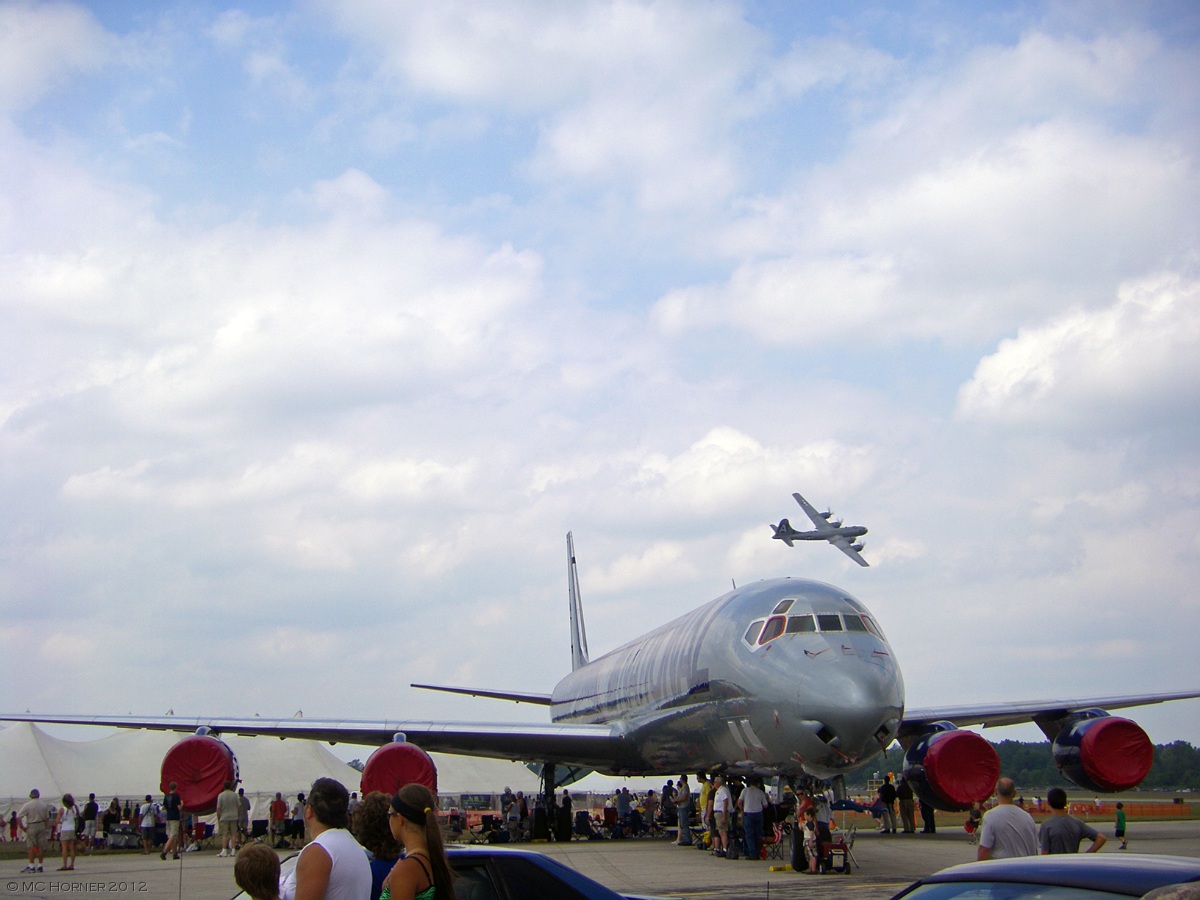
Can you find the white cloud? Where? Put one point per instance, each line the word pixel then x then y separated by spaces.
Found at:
pixel 42 45
pixel 966 209
pixel 635 92
pixel 1134 363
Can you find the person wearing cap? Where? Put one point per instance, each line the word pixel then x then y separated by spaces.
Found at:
pixel 35 819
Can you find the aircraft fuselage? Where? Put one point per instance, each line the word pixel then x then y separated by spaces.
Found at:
pixel 847 531
pixel 788 675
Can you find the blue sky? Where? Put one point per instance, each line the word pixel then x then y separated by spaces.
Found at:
pixel 323 323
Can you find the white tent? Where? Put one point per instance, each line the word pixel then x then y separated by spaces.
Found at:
pixel 128 764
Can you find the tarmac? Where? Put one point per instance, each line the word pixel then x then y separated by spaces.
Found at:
pixel 885 864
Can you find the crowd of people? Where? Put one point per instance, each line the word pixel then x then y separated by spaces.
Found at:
pixel 391 847
pixel 161 826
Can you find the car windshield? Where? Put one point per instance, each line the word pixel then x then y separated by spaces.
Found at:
pixel 1005 890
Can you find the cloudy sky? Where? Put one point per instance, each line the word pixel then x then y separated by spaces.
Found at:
pixel 322 323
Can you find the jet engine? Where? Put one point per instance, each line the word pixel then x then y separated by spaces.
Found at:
pixel 396 764
pixel 1099 751
pixel 950 769
pixel 200 765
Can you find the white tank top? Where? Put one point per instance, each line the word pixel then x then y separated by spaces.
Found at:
pixel 350 876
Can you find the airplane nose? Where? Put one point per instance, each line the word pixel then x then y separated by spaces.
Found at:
pixel 859 704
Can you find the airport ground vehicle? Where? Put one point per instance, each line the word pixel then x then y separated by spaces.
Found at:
pixel 488 872
pixel 1083 876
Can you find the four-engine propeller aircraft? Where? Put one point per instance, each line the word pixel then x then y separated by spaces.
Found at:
pixel 786 676
pixel 841 536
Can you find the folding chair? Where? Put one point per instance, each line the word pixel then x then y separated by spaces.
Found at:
pixel 774 842
pixel 583 825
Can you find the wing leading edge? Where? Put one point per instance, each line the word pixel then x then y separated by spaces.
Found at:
pixel 1020 712
pixel 513 696
pixel 601 747
pixel 819 521
pixel 844 545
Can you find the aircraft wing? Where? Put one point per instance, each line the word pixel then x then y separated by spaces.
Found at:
pixel 811 511
pixel 996 714
pixel 513 696
pixel 601 747
pixel 844 544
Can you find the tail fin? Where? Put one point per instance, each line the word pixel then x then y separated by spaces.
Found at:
pixel 579 647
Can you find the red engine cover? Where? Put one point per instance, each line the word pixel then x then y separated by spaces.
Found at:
pixel 961 767
pixel 200 765
pixel 1116 753
pixel 394 765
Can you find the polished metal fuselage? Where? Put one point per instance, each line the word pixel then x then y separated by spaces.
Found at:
pixel 697 694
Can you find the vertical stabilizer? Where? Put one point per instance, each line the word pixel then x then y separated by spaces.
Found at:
pixel 579 648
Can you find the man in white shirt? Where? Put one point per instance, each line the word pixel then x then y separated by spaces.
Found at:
pixel 752 802
pixel 721 804
pixel 1008 831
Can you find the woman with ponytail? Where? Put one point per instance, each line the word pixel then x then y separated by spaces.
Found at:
pixel 423 873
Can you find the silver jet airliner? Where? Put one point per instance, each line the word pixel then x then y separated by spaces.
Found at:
pixel 841 536
pixel 786 676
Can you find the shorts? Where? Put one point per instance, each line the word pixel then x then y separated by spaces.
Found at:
pixel 66 835
pixel 148 835
pixel 227 828
pixel 172 828
pixel 1120 832
pixel 35 836
pixel 89 829
pixel 722 820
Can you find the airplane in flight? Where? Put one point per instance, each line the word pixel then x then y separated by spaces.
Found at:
pixel 787 677
pixel 841 536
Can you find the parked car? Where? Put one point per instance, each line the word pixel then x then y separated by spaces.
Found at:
pixel 1083 876
pixel 488 872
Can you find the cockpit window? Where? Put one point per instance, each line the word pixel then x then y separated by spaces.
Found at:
pixel 783 606
pixel 873 627
pixel 830 622
pixel 773 629
pixel 801 624
pixel 752 633
pixel 854 623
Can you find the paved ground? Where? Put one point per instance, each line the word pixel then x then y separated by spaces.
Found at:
pixel 885 864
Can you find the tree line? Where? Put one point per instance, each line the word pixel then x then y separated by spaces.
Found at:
pixel 1176 767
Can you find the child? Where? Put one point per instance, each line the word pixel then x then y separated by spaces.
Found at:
pixel 256 871
pixel 975 821
pixel 810 839
pixel 1120 830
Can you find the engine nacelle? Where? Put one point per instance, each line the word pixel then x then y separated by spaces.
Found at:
pixel 1102 752
pixel 396 764
pixel 200 765
pixel 950 769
